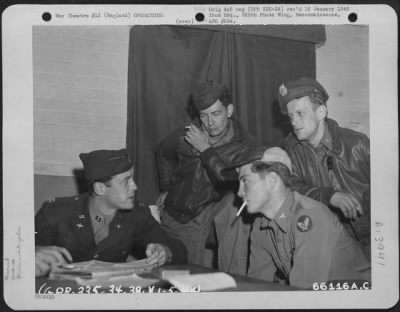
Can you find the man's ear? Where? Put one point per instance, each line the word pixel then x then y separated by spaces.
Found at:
pixel 322 112
pixel 99 188
pixel 230 110
pixel 273 178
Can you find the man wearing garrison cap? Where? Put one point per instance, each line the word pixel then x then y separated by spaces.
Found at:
pixel 331 163
pixel 295 240
pixel 104 224
pixel 195 193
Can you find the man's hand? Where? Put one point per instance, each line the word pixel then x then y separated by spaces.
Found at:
pixel 47 258
pixel 347 203
pixel 197 138
pixel 157 254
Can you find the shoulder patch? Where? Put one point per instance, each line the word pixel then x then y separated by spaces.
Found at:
pixel 304 223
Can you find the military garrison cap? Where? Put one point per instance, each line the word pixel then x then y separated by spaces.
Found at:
pixel 207 93
pixel 295 89
pixel 102 164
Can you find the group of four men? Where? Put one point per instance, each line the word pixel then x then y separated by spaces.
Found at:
pixel 310 202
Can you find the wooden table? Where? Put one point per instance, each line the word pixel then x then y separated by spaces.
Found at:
pixel 244 283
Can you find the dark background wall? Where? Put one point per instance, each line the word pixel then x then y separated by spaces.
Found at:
pixel 80 71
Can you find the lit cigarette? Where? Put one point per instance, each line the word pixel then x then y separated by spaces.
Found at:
pixel 241 208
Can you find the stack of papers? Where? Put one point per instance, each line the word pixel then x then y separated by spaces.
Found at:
pixel 131 280
pixel 95 271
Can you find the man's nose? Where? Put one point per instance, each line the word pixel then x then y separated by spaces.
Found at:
pixel 293 121
pixel 134 186
pixel 240 192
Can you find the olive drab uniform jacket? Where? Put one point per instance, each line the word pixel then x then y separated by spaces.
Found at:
pixel 305 243
pixel 66 222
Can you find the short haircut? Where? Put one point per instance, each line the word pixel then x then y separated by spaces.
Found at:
pixel 317 99
pixel 106 181
pixel 262 168
pixel 225 97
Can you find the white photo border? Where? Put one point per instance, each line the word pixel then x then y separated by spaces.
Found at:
pixel 18 197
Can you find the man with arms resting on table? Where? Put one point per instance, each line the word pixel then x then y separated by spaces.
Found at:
pixel 104 224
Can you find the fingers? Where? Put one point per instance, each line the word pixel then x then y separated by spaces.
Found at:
pixel 65 253
pixel 152 253
pixel 345 211
pixel 355 204
pixel 48 258
pixel 350 206
pixel 156 254
pixel 189 134
pixel 61 254
pixel 41 268
pixel 54 255
pixel 194 129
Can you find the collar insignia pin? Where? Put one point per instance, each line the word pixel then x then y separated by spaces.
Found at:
pixel 82 216
pixel 79 225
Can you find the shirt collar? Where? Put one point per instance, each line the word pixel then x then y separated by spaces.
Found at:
pixel 282 216
pixel 326 140
pixel 98 217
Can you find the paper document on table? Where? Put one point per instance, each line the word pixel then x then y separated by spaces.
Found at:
pixel 202 282
pixel 97 269
pixel 132 280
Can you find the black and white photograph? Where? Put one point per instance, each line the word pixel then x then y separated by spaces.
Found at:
pixel 183 164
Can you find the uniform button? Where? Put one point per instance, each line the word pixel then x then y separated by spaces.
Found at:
pixel 95 256
pixel 123 252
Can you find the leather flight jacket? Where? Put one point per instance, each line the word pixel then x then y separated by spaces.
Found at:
pixel 193 180
pixel 349 160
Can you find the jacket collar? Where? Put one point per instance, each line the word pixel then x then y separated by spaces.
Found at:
pixel 326 139
pixel 239 133
pixel 332 127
